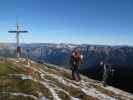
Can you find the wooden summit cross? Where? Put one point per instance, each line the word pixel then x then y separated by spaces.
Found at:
pixel 18 31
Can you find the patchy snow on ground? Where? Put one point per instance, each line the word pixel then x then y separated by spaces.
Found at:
pixel 20 94
pixel 62 87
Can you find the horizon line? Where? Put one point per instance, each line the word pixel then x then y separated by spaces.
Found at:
pixel 100 44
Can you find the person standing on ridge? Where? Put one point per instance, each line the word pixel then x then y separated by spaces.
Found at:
pixel 107 71
pixel 76 60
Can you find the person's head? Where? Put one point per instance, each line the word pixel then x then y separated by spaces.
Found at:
pixel 101 63
pixel 76 50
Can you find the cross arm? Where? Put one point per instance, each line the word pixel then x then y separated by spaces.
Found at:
pixel 12 31
pixel 18 31
pixel 23 31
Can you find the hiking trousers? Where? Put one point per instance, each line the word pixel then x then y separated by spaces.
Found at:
pixel 75 73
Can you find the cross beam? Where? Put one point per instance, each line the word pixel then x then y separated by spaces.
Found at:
pixel 18 31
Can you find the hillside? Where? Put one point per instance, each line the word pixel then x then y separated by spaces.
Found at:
pixel 49 82
pixel 120 58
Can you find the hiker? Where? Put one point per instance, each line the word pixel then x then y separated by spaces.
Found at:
pixel 107 71
pixel 75 61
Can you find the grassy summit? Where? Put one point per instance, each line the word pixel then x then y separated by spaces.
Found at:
pixel 49 82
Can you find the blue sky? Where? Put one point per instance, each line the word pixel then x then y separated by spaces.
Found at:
pixel 69 21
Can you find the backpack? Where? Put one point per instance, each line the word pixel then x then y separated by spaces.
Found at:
pixel 76 58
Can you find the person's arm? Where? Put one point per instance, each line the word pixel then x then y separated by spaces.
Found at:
pixel 81 58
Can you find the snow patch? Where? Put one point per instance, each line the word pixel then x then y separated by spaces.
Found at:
pixel 94 93
pixel 20 94
pixel 43 98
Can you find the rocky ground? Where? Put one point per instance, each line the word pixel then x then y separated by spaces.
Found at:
pixel 49 82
